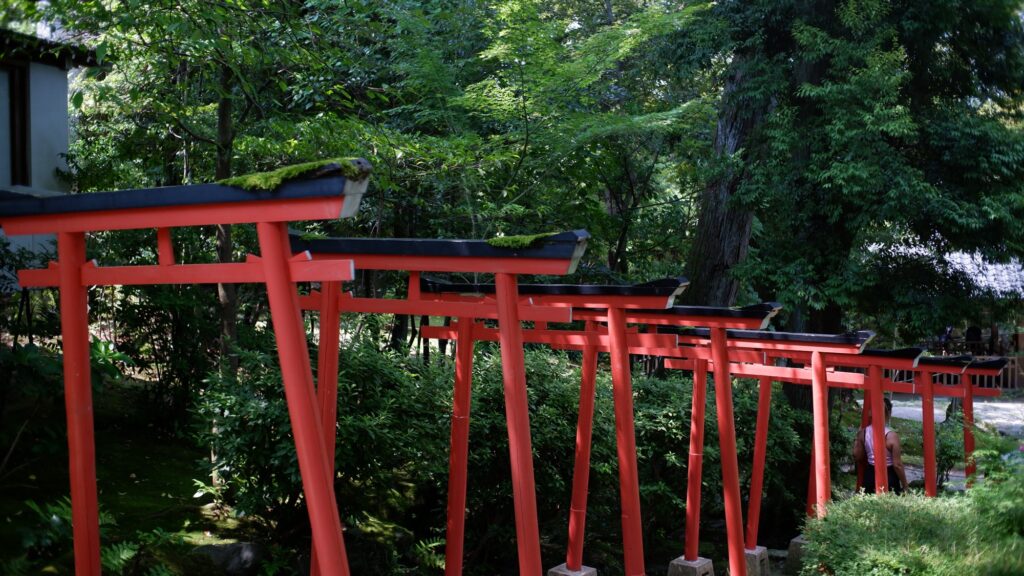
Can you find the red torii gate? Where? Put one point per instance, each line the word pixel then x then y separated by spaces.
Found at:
pixel 820 379
pixel 796 347
pixel 554 255
pixel 323 194
pixel 590 341
pixel 614 303
pixel 925 369
pixel 966 367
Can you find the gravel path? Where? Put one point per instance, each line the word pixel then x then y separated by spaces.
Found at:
pixel 1005 415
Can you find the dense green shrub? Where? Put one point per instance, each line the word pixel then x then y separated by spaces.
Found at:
pixel 392 456
pixel 981 532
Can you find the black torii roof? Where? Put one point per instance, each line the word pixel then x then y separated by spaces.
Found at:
pixel 859 338
pixel 562 246
pixel 964 362
pixel 325 182
pixel 661 287
pixel 763 310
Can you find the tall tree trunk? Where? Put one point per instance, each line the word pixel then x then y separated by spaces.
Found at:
pixel 723 228
pixel 226 294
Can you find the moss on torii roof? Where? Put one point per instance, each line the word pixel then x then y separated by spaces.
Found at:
pixel 351 168
pixel 519 242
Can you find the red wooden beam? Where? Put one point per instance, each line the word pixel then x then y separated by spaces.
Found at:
pixel 459 456
pixel 575 301
pixel 836 379
pixel 517 418
pixel 775 346
pixel 822 465
pixel 420 307
pixel 228 273
pixel 695 463
pixel 327 386
pixel 653 318
pixel 561 339
pixel 177 216
pixel 727 451
pixel 581 465
pixel 74 320
pixel 625 442
pixel 924 380
pixel 764 408
pixel 317 478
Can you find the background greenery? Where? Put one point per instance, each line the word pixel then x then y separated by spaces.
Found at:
pixel 823 153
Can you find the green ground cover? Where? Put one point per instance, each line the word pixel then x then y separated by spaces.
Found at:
pixel 980 532
pixel 150 519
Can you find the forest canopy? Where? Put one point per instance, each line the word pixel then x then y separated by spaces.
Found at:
pixel 825 154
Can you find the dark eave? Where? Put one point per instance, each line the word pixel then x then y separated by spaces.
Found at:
pixel 15 46
pixel 763 310
pixel 327 183
pixel 563 246
pixel 662 287
pixel 858 339
pixel 964 362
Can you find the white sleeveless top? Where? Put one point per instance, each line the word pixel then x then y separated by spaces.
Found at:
pixel 869 446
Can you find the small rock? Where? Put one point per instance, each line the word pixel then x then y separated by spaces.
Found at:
pixel 237 559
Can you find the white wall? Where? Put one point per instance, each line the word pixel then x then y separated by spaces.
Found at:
pixel 48 124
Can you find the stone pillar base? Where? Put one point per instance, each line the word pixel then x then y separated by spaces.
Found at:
pixel 683 567
pixel 563 570
pixel 757 561
pixel 795 558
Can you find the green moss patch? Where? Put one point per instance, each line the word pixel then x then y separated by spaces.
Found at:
pixel 274 178
pixel 519 242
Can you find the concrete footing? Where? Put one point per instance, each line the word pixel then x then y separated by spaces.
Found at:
pixel 795 558
pixel 563 570
pixel 757 561
pixel 683 567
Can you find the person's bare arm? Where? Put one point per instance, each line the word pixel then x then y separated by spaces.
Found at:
pixel 892 441
pixel 859 455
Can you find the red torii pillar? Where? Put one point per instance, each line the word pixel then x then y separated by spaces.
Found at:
pixel 966 367
pixel 719 319
pixel 590 341
pixel 755 346
pixel 71 217
pixel 558 254
pixel 612 301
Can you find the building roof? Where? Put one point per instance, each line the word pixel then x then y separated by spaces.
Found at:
pixel 999 279
pixel 18 46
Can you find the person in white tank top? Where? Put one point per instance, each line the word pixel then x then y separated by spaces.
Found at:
pixel 869 445
pixel 864 452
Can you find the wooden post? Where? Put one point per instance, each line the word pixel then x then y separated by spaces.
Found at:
pixel 581 468
pixel 74 325
pixel 727 447
pixel 517 415
pixel 459 457
pixel 696 461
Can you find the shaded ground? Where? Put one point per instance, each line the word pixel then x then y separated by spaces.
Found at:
pixel 146 487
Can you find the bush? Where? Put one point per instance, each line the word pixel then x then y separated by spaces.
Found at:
pixel 978 533
pixel 391 451
pixel 392 457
